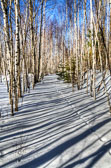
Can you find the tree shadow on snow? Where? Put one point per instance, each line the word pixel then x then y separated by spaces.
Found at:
pixel 47 122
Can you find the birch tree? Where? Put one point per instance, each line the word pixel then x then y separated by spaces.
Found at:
pixel 17 54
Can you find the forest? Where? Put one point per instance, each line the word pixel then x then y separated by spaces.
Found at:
pixel 41 37
pixel 63 45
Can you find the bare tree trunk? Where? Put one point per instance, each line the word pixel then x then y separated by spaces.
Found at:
pixel 17 54
pixel 10 59
pixel 78 51
pixel 32 43
pixel 40 41
pixel 93 51
pixel 83 46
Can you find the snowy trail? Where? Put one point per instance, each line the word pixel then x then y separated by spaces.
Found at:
pixel 56 128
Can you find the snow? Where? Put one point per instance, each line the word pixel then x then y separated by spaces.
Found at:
pixel 56 128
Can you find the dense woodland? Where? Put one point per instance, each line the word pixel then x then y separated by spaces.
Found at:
pixel 69 37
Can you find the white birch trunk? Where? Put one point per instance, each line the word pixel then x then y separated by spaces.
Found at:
pixel 17 53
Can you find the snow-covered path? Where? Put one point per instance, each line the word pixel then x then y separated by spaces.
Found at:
pixel 57 128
